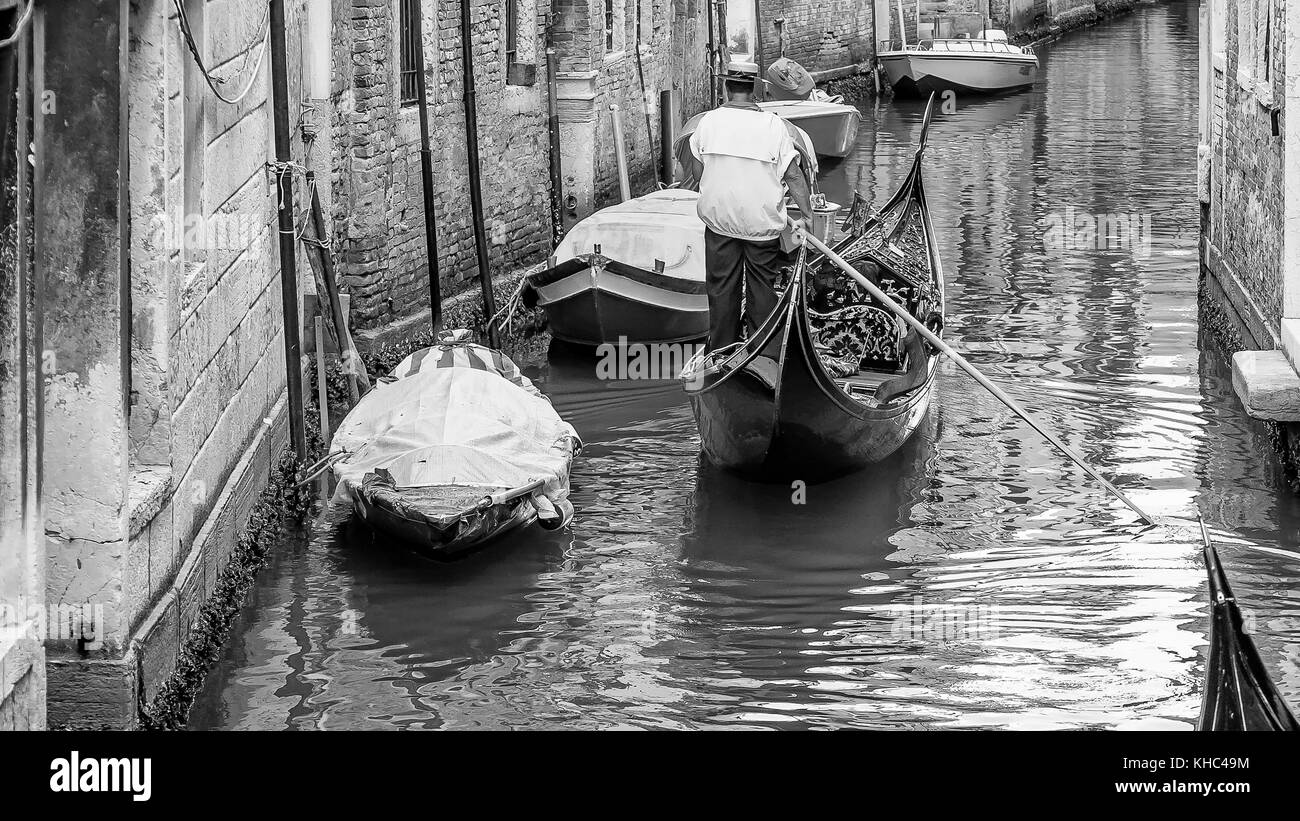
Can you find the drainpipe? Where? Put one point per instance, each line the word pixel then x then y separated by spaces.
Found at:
pixel 426 172
pixel 553 129
pixel 475 183
pixel 288 263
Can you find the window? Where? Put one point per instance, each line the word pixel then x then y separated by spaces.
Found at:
pixel 408 41
pixel 512 32
pixel 741 35
pixel 520 42
pixel 609 25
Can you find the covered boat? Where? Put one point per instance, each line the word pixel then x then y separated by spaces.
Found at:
pixel 455 448
pixel 831 381
pixel 1238 695
pixel 986 64
pixel 633 272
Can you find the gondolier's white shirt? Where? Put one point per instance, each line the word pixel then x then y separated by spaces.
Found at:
pixel 745 152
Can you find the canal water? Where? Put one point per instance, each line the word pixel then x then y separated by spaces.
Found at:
pixel 975 580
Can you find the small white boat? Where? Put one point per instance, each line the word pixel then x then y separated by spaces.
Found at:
pixel 987 64
pixel 634 270
pixel 832 127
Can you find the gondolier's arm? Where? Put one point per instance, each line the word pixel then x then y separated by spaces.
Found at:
pixel 800 191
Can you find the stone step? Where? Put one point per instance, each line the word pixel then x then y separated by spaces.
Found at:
pixel 1267 385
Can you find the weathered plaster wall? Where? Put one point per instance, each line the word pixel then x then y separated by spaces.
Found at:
pixel 22 546
pixel 190 437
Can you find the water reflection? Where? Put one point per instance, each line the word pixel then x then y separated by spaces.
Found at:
pixel 685 598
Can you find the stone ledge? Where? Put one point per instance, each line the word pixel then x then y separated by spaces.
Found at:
pixel 149 487
pixel 1267 385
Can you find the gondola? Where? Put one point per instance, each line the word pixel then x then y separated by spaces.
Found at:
pixel 849 385
pixel 1238 695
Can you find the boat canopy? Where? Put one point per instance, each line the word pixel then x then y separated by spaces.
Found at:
pixel 661 226
pixel 455 426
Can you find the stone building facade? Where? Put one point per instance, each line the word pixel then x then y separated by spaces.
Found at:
pixel 609 52
pixel 1248 183
pixel 161 334
pixel 22 550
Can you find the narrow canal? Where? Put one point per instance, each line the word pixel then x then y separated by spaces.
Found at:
pixel 975 580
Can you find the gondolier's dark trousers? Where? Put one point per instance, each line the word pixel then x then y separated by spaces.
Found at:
pixel 727 260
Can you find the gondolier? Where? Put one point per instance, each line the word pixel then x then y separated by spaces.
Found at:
pixel 749 161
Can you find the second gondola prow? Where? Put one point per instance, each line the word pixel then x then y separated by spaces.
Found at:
pixel 832 380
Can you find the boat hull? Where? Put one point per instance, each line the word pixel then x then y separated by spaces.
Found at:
pixel 832 127
pixel 435 540
pixel 803 434
pixel 593 307
pixel 914 73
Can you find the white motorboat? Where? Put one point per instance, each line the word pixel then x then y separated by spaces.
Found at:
pixel 987 64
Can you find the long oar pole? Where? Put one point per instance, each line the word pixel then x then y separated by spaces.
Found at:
pixel 934 339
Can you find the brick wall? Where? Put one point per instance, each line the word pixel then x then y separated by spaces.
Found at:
pixel 818 34
pixel 378 199
pixel 379 230
pixel 1243 229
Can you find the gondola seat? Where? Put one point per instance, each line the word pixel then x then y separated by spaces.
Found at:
pixel 857 336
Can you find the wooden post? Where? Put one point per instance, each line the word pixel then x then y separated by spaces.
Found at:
pixel 322 397
pixel 620 153
pixel 288 260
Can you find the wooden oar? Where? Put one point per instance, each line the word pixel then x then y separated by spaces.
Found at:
pixel 500 497
pixel 933 339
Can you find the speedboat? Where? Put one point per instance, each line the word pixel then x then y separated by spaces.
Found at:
pixel 986 64
pixel 832 126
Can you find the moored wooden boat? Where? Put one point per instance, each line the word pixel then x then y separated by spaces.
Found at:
pixel 454 449
pixel 1238 694
pixel 632 272
pixel 844 387
pixel 832 126
pixel 826 129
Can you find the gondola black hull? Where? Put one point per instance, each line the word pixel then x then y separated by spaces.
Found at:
pixel 1238 695
pixel 806 430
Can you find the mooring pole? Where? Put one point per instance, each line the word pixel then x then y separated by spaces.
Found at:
pixel 288 262
pixel 475 183
pixel 667 133
pixel 426 172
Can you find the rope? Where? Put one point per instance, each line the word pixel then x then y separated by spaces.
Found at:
pixel 20 27
pixel 184 23
pixel 512 304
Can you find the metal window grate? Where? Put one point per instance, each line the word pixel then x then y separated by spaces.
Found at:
pixel 609 25
pixel 512 31
pixel 406 36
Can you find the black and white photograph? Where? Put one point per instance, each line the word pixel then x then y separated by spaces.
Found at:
pixel 928 367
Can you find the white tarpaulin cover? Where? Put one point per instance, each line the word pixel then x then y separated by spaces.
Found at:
pixel 455 426
pixel 661 225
